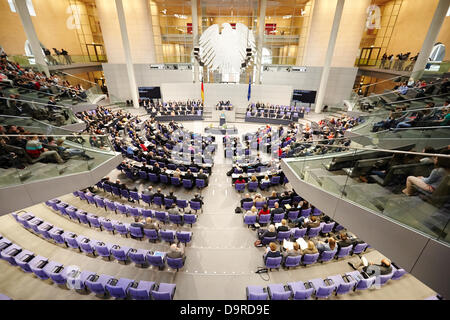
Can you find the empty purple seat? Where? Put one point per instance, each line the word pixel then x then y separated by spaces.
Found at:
pixel 250 220
pixel 70 239
pixel 134 212
pixel 151 234
pixel 142 290
pixel 398 272
pixel 175 181
pixel 82 217
pixel 240 187
pixel 342 285
pixel 94 221
pixel 314 232
pixel 135 196
pixel 252 186
pixel 121 228
pixel 256 293
pixel 175 263
pixel 187 184
pixel 322 289
pixel 247 205
pixel 44 230
pixel 103 249
pixel 167 235
pixel 118 288
pixel 121 208
pixel 35 223
pixel 190 219
pixel 100 202
pixel 361 282
pixel 327 255
pixel 359 248
pixel 278 292
pixel 184 236
pixel 110 205
pixel 57 273
pixel 153 177
pixel 23 259
pixel 56 235
pixel 10 253
pixel 106 224
pixel 85 245
pixel 120 253
pixel 147 213
pixel 138 256
pixel 175 218
pixel 97 284
pixel 38 265
pixel 300 291
pixel 344 251
pixel 164 291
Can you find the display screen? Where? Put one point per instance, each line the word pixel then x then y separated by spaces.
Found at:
pixel 307 96
pixel 149 92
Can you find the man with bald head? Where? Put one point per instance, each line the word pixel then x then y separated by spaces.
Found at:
pixel 373 269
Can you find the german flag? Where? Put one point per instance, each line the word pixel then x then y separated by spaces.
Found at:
pixel 203 94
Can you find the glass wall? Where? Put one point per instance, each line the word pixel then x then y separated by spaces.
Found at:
pixel 172 30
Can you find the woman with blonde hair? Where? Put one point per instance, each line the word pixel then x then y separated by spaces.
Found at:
pixel 271 251
pixel 253 179
pixel 311 249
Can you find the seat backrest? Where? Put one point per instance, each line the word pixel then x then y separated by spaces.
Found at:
pixel 161 295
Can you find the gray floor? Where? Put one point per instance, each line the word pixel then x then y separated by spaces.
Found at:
pixel 221 259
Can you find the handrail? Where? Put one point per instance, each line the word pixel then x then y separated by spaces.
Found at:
pixel 421 98
pixel 50 94
pixel 373 84
pixel 41 103
pixel 54 135
pixel 71 75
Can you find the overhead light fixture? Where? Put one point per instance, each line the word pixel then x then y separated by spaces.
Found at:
pixel 164 11
pixel 180 16
pixel 287 17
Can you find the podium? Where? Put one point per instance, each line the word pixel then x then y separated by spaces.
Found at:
pixel 222 120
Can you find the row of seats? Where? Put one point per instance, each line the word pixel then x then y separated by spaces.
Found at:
pixel 112 225
pixel 136 196
pixel 125 209
pixel 322 288
pixel 307 259
pixel 140 257
pixel 103 284
pixel 253 186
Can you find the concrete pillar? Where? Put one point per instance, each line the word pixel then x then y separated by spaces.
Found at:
pixel 22 10
pixel 430 39
pixel 329 55
pixel 261 30
pixel 127 52
pixel 195 35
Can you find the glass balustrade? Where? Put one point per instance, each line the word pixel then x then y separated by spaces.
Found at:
pixel 61 155
pixel 375 179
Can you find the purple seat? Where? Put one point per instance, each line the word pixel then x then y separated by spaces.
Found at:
pixel 398 272
pixel 151 234
pixel 344 251
pixel 162 216
pixel 327 255
pixel 116 191
pixel 195 205
pixel 125 194
pixel 175 263
pixel 264 185
pixel 44 230
pixel 292 261
pixel 35 223
pixel 142 290
pixel 72 212
pixel 298 233
pixel 103 249
pixel 120 253
pixel 106 224
pixel 256 293
pixel 37 266
pixel 190 219
pixel 147 213
pixel 165 291
pixel 306 213
pixel 182 204
pixel 107 188
pixel 158 201
pixel 153 177
pixel 135 196
pixel 264 219
pixel 250 220
pixel 314 232
pixel 247 205
pixel 200 183
pixel 94 221
pixel 136 232
pixel 157 260
pixel 309 258
pixel 266 240
pixel 100 202
pixel 275 180
pixel 273 263
pixel 57 274
pixel 184 236
pixel 118 288
pixel 121 208
pixel 259 204
pixel 143 175
pixel 283 235
pixel 240 187
pixel 278 217
pixel 321 289
pixel 168 202
pixel 278 292
pixel 146 198
pixel 97 284
pixel 341 285
pixel 167 235
pixel 271 203
pixel 316 212
pixel 10 253
pixel 164 178
pixel 121 228
pixel 138 256
pixel 134 212
pixel 327 227
pixel 175 181
pixel 292 215
pixel 89 197
pixel 187 184
pixel 361 282
pixel 85 245
pixel 359 248
pixel 300 291
pixel 82 217
pixel 56 235
pixel 70 239
pixel 252 186
pixel 23 260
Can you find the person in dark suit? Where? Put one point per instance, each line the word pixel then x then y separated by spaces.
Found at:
pixel 246 199
pixel 188 175
pixel 138 224
pixel 272 252
pixel 344 241
pixel 202 176
pixel 197 198
pixel 159 194
pixel 276 209
pixel 172 196
pixel 373 269
pixel 283 227
pixel 269 232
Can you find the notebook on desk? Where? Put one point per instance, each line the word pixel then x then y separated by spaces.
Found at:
pixel 302 243
pixel 287 206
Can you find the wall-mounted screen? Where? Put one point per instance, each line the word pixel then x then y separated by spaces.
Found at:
pixel 149 92
pixel 307 96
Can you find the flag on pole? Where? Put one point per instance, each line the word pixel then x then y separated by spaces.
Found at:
pixel 203 94
pixel 249 88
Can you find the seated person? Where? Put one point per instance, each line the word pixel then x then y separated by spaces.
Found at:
pixel 252 212
pixel 246 199
pixel 71 152
pixel 273 196
pixel 327 245
pixel 150 224
pixel 240 180
pixel 264 210
pixel 198 198
pixel 138 223
pixel 174 210
pixel 271 252
pixel 430 183
pixel 188 175
pixel 284 226
pixel 311 249
pixel 159 194
pixel 253 179
pixel 276 209
pixel 176 251
pixel 344 241
pixel 372 269
pixel 295 251
pixel 202 176
pixel 35 150
pixel 267 233
pixel 258 198
pixel 265 179
pixel 172 196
